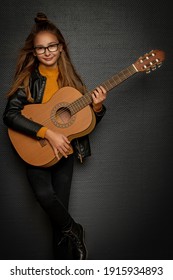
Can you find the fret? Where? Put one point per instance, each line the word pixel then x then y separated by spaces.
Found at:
pixel 70 107
pixel 115 81
pixel 105 86
pixel 111 84
pixel 88 97
pixel 80 103
pixel 83 102
pixel 75 107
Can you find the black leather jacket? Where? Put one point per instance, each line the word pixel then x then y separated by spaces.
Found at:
pixel 13 118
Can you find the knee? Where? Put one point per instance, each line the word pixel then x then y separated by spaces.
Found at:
pixel 45 198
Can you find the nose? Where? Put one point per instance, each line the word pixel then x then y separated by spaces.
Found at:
pixel 47 52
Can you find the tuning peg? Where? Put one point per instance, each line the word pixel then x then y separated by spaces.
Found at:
pixel 148 71
pixel 159 64
pixel 152 53
pixel 153 68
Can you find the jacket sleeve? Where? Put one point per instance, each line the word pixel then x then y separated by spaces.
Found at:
pixel 99 115
pixel 13 117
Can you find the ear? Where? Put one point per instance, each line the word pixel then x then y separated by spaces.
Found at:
pixel 60 47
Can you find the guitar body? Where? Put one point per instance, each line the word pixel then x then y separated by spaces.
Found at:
pixel 55 114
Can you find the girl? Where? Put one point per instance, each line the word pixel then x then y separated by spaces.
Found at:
pixel 43 67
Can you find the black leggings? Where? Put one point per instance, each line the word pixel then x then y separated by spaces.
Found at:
pixel 52 189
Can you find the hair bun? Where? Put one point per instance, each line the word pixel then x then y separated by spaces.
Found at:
pixel 40 18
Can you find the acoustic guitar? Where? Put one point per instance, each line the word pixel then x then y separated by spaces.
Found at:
pixel 69 112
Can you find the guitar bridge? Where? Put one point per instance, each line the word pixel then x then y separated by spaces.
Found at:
pixel 43 142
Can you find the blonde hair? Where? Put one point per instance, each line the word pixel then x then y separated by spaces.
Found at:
pixel 27 62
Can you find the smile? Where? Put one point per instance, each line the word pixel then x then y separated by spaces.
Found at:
pixel 48 58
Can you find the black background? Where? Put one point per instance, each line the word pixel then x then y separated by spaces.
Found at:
pixel 123 193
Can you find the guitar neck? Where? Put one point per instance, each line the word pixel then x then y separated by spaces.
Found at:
pixel 119 78
pixel 114 81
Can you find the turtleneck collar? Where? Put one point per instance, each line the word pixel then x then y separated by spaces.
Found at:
pixel 48 72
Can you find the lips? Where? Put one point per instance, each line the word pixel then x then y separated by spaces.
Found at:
pixel 48 58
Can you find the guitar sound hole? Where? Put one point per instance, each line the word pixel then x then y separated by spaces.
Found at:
pixel 63 115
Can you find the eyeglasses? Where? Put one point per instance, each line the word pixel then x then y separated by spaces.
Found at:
pixel 50 48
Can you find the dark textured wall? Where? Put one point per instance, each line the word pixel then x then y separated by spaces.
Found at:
pixel 123 193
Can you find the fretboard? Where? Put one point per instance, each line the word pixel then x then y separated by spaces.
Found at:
pixel 114 81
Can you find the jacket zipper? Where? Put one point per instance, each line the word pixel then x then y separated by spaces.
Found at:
pixel 79 152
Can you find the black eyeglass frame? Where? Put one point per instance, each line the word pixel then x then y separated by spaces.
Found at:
pixel 46 48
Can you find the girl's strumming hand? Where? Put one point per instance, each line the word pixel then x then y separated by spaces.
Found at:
pixel 59 143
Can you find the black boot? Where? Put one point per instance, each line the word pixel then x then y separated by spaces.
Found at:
pixel 62 246
pixel 76 235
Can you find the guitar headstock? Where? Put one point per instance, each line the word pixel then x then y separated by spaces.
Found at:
pixel 150 61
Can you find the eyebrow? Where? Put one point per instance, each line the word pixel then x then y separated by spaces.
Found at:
pixel 51 43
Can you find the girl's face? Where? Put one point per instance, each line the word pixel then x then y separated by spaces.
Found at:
pixel 47 49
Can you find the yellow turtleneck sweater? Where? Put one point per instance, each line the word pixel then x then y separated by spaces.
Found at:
pixel 50 88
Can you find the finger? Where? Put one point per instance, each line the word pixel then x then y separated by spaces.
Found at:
pixel 56 153
pixel 66 139
pixel 98 99
pixel 67 146
pixel 103 90
pixel 99 90
pixel 95 94
pixel 63 152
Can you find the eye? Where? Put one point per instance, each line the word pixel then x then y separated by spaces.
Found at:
pixel 39 48
pixel 53 47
